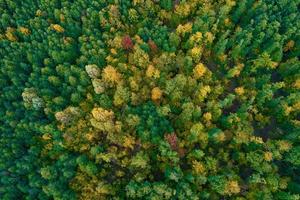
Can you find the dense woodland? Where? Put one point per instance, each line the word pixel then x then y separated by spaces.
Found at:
pixel 149 99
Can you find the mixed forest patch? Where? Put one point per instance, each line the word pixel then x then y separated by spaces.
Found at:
pixel 149 99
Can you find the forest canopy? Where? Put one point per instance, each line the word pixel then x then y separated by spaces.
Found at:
pixel 149 99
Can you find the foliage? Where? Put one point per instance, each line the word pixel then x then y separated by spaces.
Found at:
pixel 148 99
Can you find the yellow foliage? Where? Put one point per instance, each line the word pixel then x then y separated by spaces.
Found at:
pixel 24 30
pixel 135 2
pixel 242 137
pixel 227 21
pixel 57 28
pixel 164 15
pixel 106 157
pixel 199 70
pixel 138 39
pixel 139 57
pixel 129 142
pixel 221 137
pixel 102 189
pixel 196 53
pixel 232 187
pixel 273 65
pixel 84 147
pixel 231 3
pixel 104 120
pixel 198 167
pixel 197 37
pixel 121 95
pixel 90 188
pixel 113 51
pixel 209 37
pixel 223 57
pixel 182 29
pixel 67 40
pixel 297 84
pixel 38 13
pixel 114 11
pixel 101 114
pixel 134 85
pixel 118 126
pixel 234 119
pixel 239 90
pixel 89 136
pixel 202 93
pixel 289 45
pixel 111 75
pixel 296 106
pixel 287 109
pixel 116 42
pixel 152 72
pixel 284 145
pixel 156 94
pixel 261 118
pixel 268 156
pixel 10 34
pixel 256 139
pixel 110 59
pixel 235 71
pixel 46 136
pixel 207 116
pixel 183 9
